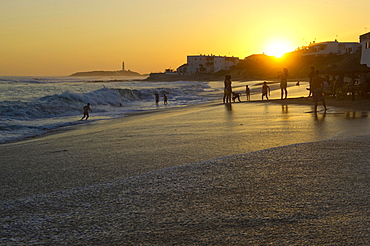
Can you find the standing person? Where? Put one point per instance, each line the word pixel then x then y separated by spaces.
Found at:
pixel 86 111
pixel 227 89
pixel 156 98
pixel 317 90
pixel 164 98
pixel 265 88
pixel 248 93
pixel 311 75
pixel 284 83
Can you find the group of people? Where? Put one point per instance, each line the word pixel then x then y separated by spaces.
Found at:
pixel 231 95
pixel 283 85
pixel 317 86
pixel 87 108
pixel 165 99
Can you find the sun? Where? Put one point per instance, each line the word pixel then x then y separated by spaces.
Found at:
pixel 277 48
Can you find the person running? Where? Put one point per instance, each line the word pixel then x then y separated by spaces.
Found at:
pixel 86 111
pixel 248 92
pixel 265 89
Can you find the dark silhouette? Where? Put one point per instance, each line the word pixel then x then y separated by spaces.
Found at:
pixel 248 92
pixel 164 98
pixel 317 90
pixel 265 89
pixel 236 96
pixel 227 89
pixel 311 75
pixel 156 98
pixel 86 111
pixel 284 83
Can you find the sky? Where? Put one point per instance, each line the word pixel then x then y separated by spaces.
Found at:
pixel 61 37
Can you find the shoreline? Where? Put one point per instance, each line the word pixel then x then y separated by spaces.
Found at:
pixel 359 104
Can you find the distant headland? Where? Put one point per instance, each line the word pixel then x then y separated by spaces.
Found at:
pixel 122 72
pixel 107 73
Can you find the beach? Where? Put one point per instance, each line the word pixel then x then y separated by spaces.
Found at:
pixel 250 173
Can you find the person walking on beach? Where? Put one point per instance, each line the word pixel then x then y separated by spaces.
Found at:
pixel 265 89
pixel 227 89
pixel 317 90
pixel 284 83
pixel 165 98
pixel 311 75
pixel 86 111
pixel 248 93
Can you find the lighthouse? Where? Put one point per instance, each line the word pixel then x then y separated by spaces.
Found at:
pixel 123 66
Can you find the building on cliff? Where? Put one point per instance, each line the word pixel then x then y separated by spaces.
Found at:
pixel 333 47
pixel 207 64
pixel 365 49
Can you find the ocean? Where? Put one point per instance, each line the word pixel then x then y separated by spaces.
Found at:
pixel 32 106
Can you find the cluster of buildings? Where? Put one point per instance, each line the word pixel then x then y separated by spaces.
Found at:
pixel 210 64
pixel 334 47
pixel 207 64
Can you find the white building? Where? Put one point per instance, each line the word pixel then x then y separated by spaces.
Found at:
pixel 210 63
pixel 365 49
pixel 334 47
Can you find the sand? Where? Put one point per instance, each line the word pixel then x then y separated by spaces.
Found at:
pixel 133 181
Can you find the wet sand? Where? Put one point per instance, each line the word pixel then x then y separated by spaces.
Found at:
pixel 132 181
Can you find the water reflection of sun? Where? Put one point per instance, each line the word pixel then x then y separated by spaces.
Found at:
pixel 277 48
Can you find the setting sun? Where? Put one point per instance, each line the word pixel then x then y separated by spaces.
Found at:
pixel 277 48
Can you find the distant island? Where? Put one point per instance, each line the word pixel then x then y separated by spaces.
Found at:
pixel 107 73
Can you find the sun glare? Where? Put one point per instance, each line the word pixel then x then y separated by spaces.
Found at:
pixel 277 48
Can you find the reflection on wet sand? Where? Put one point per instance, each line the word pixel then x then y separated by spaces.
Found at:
pixel 355 115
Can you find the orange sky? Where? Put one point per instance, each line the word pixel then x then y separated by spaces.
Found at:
pixel 47 37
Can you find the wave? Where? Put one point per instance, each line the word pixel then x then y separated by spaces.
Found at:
pixel 30 111
pixel 70 103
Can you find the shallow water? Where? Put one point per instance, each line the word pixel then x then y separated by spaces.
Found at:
pixel 265 125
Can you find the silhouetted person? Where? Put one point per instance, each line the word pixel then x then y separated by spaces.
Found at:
pixel 317 90
pixel 265 89
pixel 284 83
pixel 311 75
pixel 248 92
pixel 156 98
pixel 164 98
pixel 86 111
pixel 236 96
pixel 227 89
